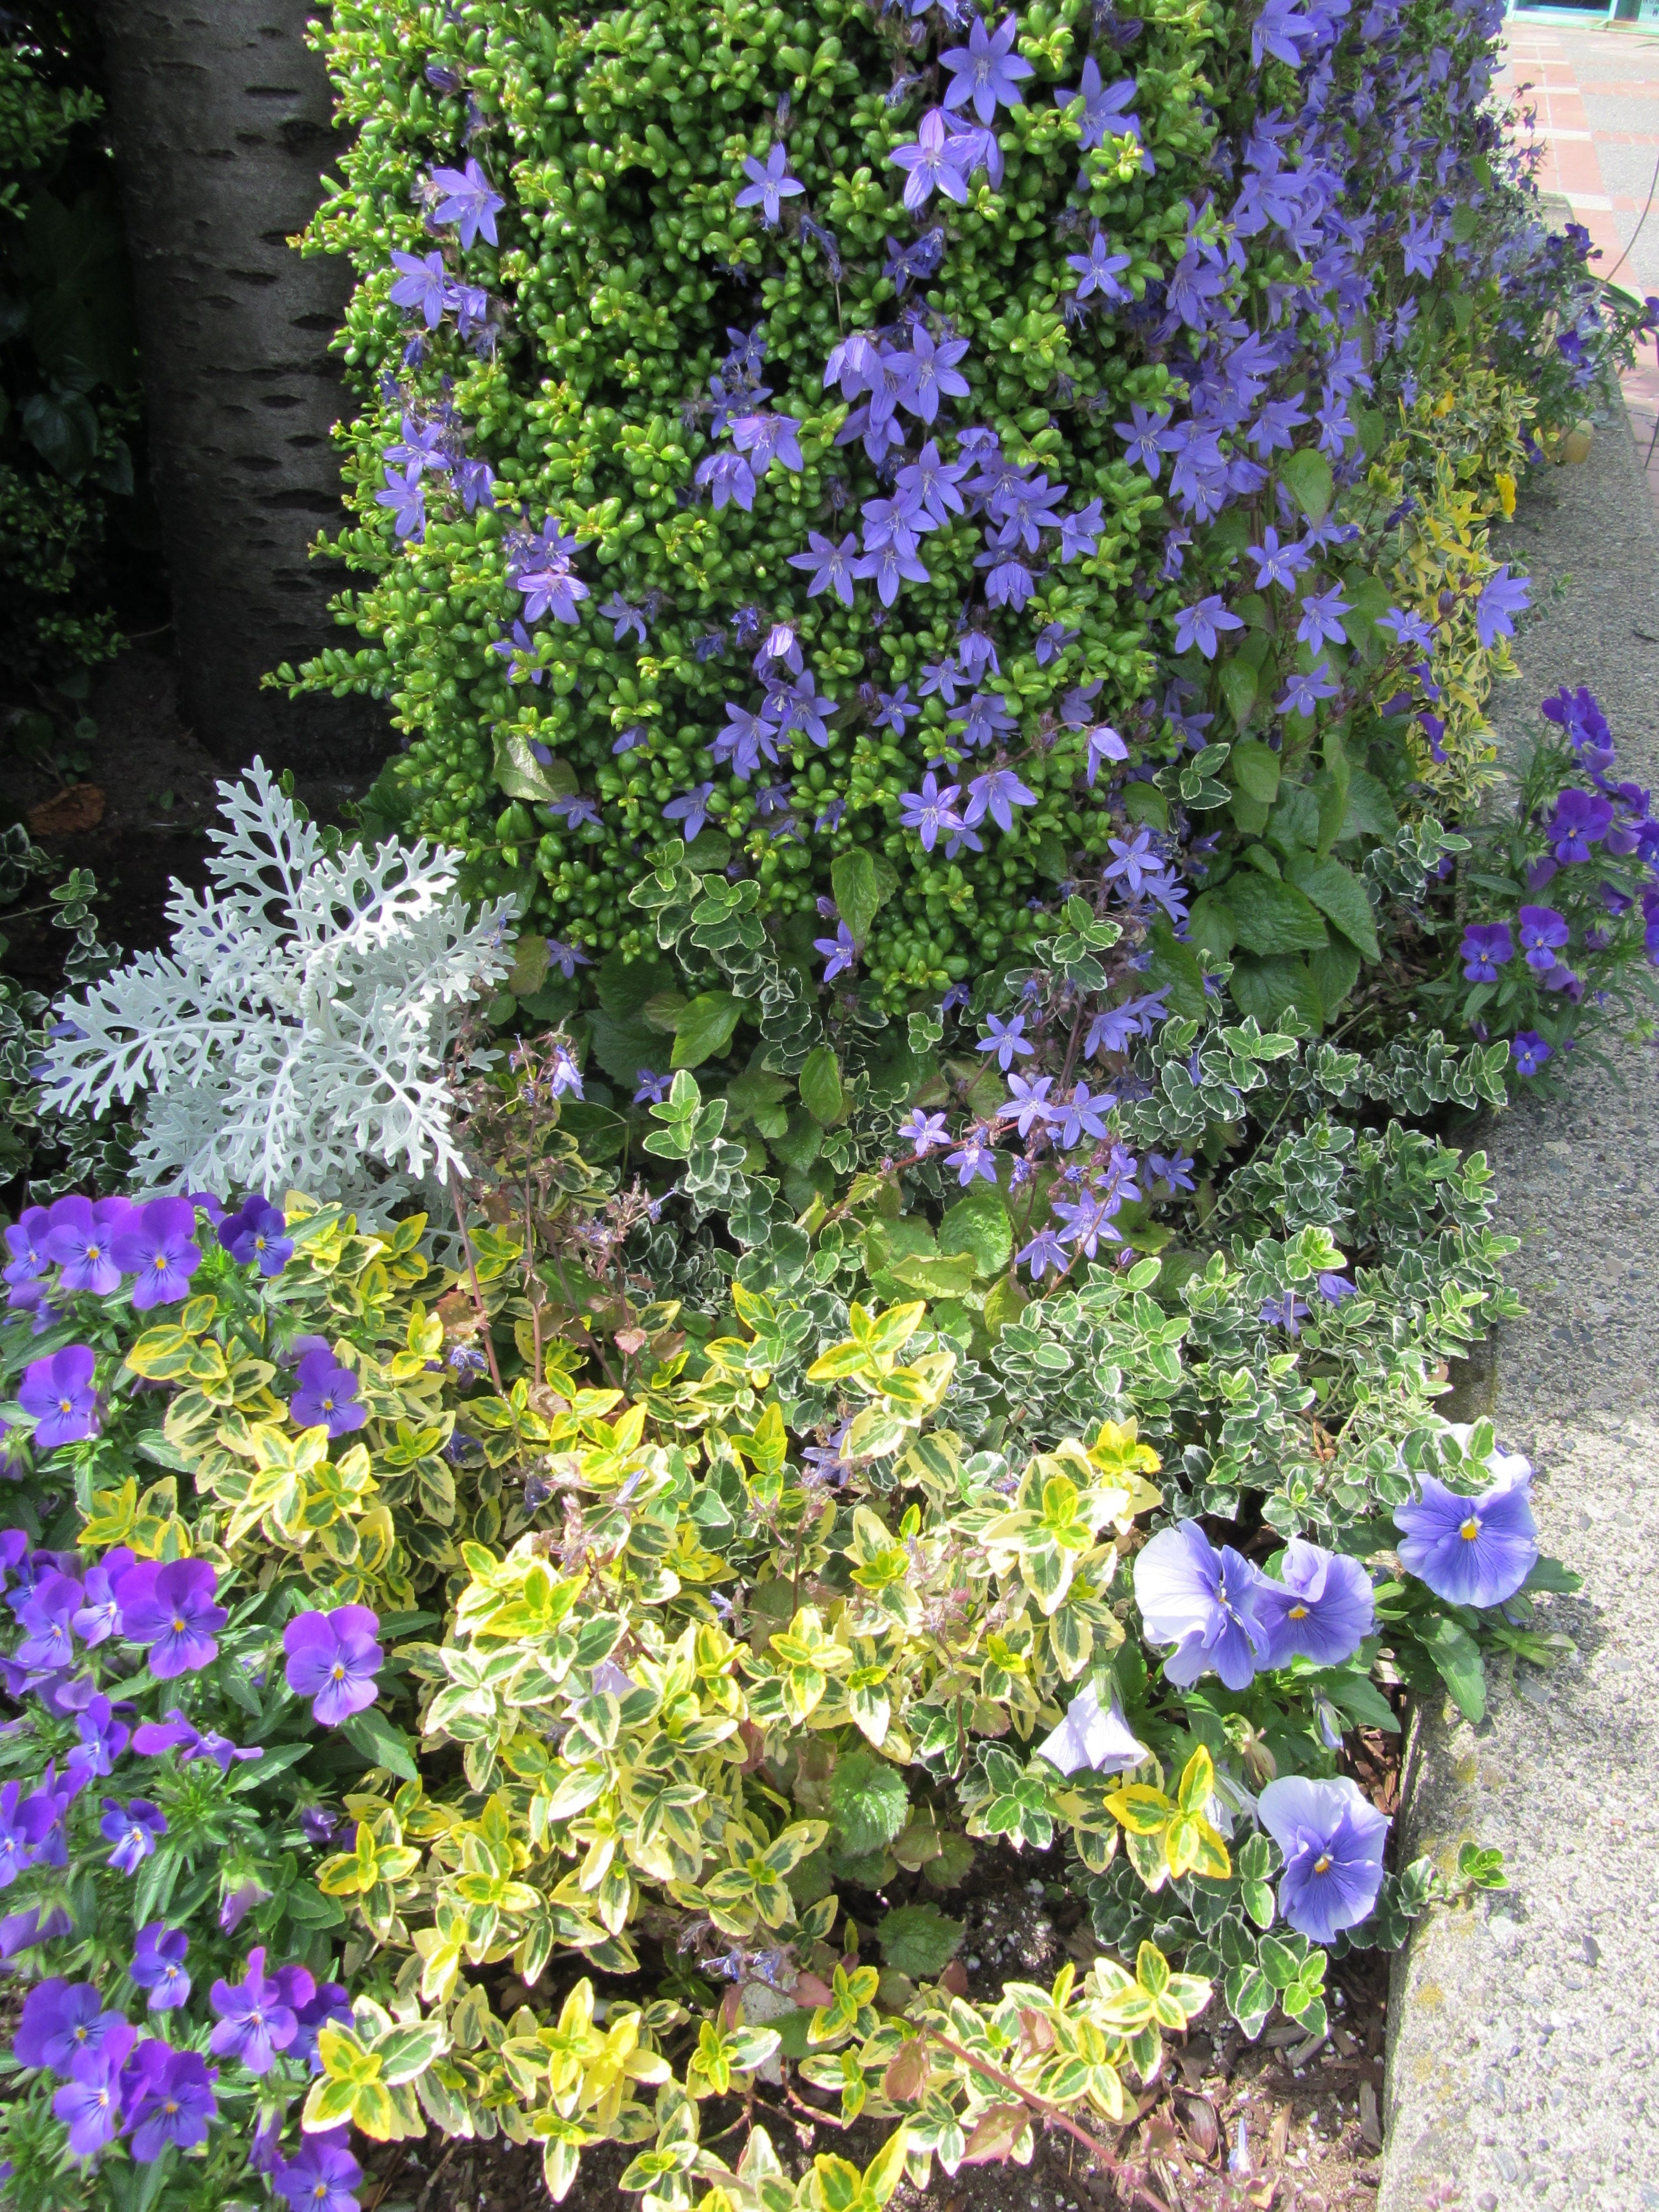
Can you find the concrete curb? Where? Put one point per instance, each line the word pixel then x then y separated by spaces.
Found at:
pixel 1524 2064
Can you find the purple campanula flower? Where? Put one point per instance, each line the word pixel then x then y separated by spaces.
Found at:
pixel 1027 1103
pixel 930 809
pixel 1006 1039
pixel 158 1965
pixel 1581 819
pixel 422 285
pixel 1471 1551
pixel 831 565
pixel 1044 1251
pixel 332 1658
pixel 1204 1602
pixel 1334 1288
pixel 58 1396
pixel 566 958
pixel 1286 1312
pixel 1198 625
pixel 1104 744
pixel 258 1234
pixel 1177 1171
pixel 996 794
pixel 973 1158
pixel 1530 1051
pixel 986 73
pixel 171 1608
pixel 652 1088
pixel 1321 1608
pixel 468 200
pixel 1087 1223
pixel 924 1133
pixel 89 2105
pixel 839 951
pixel 321 2175
pixel 1503 596
pixel 254 2023
pixel 932 163
pixel 320 1825
pixel 78 1240
pixel 132 1829
pixel 156 1245
pixel 1081 1115
pixel 168 2096
pixel 1486 946
pixel 61 2021
pixel 1303 693
pixel 405 495
pixel 690 810
pixel 1332 1839
pixel 326 1396
pixel 1276 563
pixel 769 183
pixel 1322 619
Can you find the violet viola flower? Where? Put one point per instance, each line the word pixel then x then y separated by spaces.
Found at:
pixel 170 1607
pixel 987 71
pixel 321 2175
pixel 1543 932
pixel 99 1615
pixel 132 1829
pixel 239 1900
pixel 1321 1609
pixel 328 2006
pixel 1487 947
pixel 22 1931
pixel 254 2023
pixel 78 1240
pixel 103 1739
pixel 257 1233
pixel 58 1396
pixel 326 1397
pixel 48 1617
pixel 89 2105
pixel 26 1827
pixel 1581 819
pixel 1530 1051
pixel 1471 1551
pixel 1332 1838
pixel 1204 1602
pixel 158 1965
pixel 175 1733
pixel 769 182
pixel 62 2020
pixel 332 1658
pixel 156 1245
pixel 169 2098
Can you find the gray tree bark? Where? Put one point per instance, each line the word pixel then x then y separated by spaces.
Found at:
pixel 222 128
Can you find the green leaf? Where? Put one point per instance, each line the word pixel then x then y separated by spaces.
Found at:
pixel 623 1048
pixel 869 1804
pixel 522 775
pixel 821 1091
pixel 306 1905
pixel 63 428
pixel 599 1132
pixel 1335 970
pixel 1144 802
pixel 1254 768
pixel 1250 1998
pixel 1340 896
pixel 918 1939
pixel 858 893
pixel 978 1224
pixel 624 985
pixel 1273 917
pixel 1238 689
pixel 1211 926
pixel 1175 967
pixel 1334 792
pixel 1307 476
pixel 1457 1655
pixel 706 1027
pixel 381 1743
pixel 1267 987
pixel 1370 810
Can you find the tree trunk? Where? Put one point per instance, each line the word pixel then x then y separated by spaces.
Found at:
pixel 222 122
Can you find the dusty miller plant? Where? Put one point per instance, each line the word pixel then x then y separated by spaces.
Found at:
pixel 298 1032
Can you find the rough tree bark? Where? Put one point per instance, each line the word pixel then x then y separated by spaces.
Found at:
pixel 222 129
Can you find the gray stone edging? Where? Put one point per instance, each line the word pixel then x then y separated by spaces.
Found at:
pixel 1523 2058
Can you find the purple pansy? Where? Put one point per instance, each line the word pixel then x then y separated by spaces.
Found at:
pixel 156 1244
pixel 1320 1608
pixel 168 2095
pixel 326 1396
pixel 321 2175
pixel 1471 1551
pixel 332 1659
pixel 58 1396
pixel 158 1965
pixel 1332 1839
pixel 171 1608
pixel 133 1829
pixel 62 2020
pixel 1204 1602
pixel 78 1240
pixel 1486 946
pixel 258 1234
pixel 254 2022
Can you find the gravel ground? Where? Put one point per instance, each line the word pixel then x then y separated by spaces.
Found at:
pixel 1522 2067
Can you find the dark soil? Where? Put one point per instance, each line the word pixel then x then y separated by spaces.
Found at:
pixel 123 764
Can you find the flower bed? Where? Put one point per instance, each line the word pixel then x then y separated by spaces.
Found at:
pixel 931 1336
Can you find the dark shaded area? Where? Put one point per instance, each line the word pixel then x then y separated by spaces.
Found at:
pixel 221 123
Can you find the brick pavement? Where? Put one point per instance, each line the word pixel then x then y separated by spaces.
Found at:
pixel 1588 100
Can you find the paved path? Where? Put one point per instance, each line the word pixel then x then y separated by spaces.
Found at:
pixel 1525 2069
pixel 1589 96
